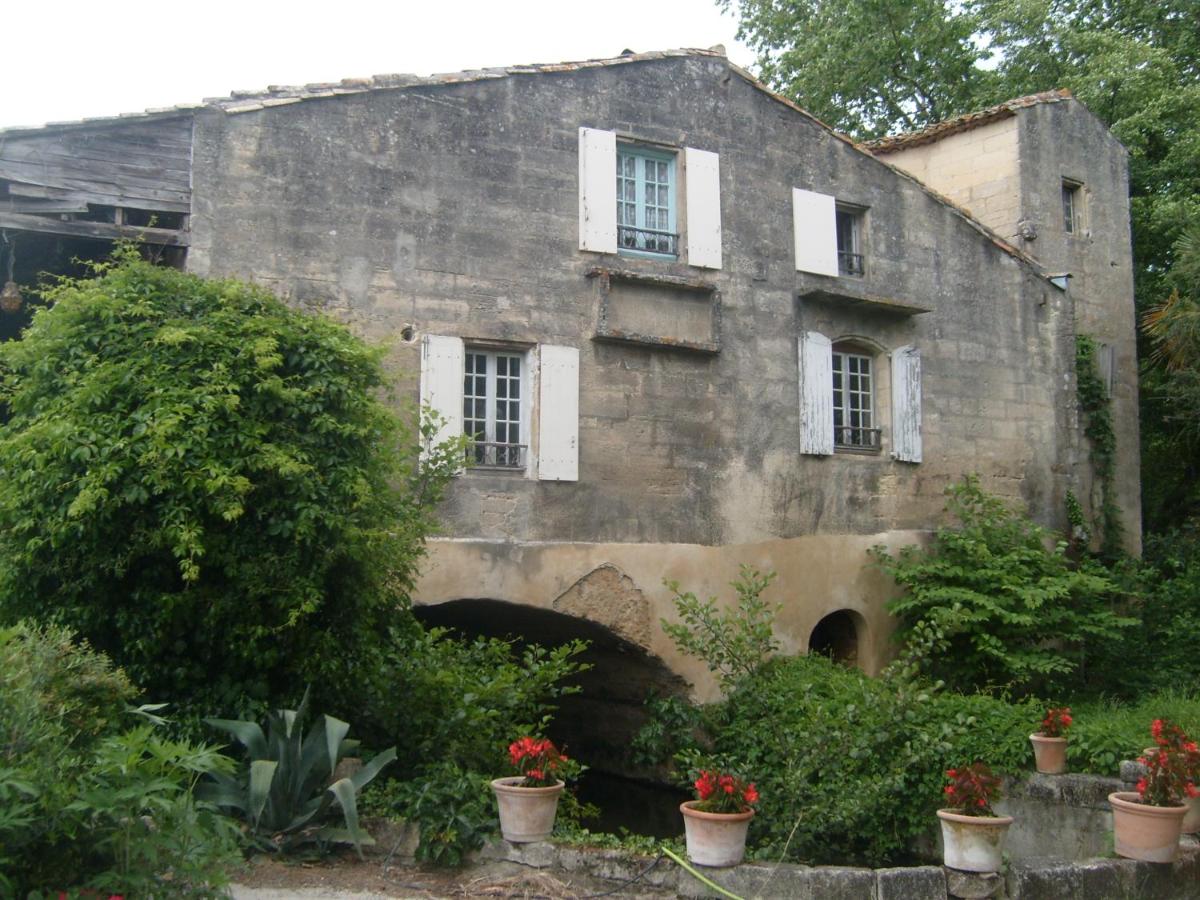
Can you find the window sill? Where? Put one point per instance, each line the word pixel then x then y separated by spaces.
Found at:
pixel 845 294
pixel 646 254
pixel 859 451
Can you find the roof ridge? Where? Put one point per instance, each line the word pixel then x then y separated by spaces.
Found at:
pixel 965 122
pixel 276 95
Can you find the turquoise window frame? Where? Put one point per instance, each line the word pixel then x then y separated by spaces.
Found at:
pixel 641 155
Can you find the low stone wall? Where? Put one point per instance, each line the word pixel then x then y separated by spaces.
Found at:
pixel 1060 816
pixel 1094 879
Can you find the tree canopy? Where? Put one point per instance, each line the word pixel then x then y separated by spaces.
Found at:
pixel 207 485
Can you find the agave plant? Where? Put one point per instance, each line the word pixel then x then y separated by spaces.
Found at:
pixel 287 790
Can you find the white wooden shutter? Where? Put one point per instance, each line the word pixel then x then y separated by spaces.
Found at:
pixel 703 177
pixel 558 414
pixel 814 219
pixel 906 404
pixel 597 190
pixel 442 383
pixel 816 394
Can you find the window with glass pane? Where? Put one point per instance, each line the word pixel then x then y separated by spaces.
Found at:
pixel 853 403
pixel 645 202
pixel 1072 206
pixel 849 241
pixel 492 397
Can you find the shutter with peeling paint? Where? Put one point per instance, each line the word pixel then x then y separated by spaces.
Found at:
pixel 906 404
pixel 703 180
pixel 816 394
pixel 558 414
pixel 814 218
pixel 442 382
pixel 597 190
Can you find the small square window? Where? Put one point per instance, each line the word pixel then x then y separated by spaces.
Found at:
pixel 849 241
pixel 1072 201
pixel 646 202
pixel 494 412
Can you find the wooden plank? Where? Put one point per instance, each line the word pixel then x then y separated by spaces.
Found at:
pixel 67 174
pixel 116 193
pixel 39 191
pixel 98 152
pixel 98 230
pixel 66 205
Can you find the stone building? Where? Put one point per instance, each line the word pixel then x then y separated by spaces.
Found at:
pixel 690 326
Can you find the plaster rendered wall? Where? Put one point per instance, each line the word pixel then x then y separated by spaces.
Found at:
pixel 455 208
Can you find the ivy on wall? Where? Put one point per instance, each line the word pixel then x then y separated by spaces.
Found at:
pixel 1098 428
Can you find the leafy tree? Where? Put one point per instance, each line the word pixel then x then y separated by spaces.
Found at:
pixel 1171 389
pixel 206 485
pixel 1005 611
pixel 866 66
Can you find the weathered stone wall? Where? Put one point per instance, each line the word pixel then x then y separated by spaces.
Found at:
pixel 1064 140
pixel 978 169
pixel 1009 174
pixel 454 207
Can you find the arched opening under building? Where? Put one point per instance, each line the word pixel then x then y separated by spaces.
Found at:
pixel 837 636
pixel 596 725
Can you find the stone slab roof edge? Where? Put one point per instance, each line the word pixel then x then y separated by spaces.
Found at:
pixel 865 149
pixel 965 122
pixel 240 101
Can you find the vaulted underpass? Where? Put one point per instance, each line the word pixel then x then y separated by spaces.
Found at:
pixel 597 724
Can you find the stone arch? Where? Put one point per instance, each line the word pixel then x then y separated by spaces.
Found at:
pixel 600 721
pixel 840 635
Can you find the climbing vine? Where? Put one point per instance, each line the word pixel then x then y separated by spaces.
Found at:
pixel 1093 400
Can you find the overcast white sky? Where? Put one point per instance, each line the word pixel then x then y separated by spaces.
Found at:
pixel 70 59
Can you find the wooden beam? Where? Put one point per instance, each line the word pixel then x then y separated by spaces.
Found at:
pixel 99 230
pixel 30 205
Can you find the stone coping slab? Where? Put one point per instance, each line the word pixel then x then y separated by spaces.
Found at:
pixel 1030 879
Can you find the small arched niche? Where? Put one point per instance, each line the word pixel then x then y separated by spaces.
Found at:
pixel 838 636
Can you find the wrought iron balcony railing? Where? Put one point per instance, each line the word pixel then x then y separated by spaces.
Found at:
pixel 647 240
pixel 850 437
pixel 494 455
pixel 850 263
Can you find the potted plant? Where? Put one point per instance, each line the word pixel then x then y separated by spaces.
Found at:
pixel 716 822
pixel 1050 741
pixel 972 834
pixel 1147 823
pixel 528 801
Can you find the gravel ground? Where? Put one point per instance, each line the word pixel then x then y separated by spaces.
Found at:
pixel 348 878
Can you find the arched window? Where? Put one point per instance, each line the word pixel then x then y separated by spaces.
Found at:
pixel 855 417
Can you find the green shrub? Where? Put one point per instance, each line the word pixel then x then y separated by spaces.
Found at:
pixel 735 641
pixel 1164 595
pixel 850 768
pixel 463 700
pixel 136 813
pixel 1106 731
pixel 287 789
pixel 1006 611
pixel 83 804
pixel 452 807
pixel 205 484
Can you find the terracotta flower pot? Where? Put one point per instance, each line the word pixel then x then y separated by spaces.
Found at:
pixel 1049 754
pixel 1191 822
pixel 715 839
pixel 1149 833
pixel 526 813
pixel 973 843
